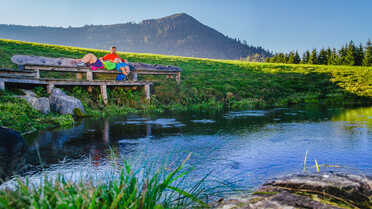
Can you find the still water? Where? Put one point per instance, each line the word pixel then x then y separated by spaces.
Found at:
pixel 248 146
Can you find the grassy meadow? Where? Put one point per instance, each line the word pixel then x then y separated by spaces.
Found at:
pixel 205 83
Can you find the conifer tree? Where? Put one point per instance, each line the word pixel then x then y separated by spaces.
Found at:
pixel 359 55
pixel 322 58
pixel 367 60
pixel 305 57
pixel 332 57
pixel 342 56
pixel 280 58
pixel 313 59
pixel 351 54
pixel 291 58
pixel 267 59
pixel 297 58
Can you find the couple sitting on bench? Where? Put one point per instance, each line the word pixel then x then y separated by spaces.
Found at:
pixel 109 61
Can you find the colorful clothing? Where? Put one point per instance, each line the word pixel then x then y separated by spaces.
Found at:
pixel 109 65
pixel 111 57
pixel 120 65
pixel 121 77
pixel 97 64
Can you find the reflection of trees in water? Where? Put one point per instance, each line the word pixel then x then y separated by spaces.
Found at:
pixel 361 116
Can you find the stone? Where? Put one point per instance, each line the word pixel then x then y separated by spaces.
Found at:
pixel 12 152
pixel 317 190
pixel 41 104
pixel 63 104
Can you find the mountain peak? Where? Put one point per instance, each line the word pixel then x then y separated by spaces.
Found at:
pixel 180 17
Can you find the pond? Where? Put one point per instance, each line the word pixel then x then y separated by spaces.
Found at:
pixel 249 146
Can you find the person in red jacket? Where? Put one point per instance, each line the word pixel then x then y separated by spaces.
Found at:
pixel 122 65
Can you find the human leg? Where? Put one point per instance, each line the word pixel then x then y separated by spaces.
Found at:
pixel 89 58
pixel 117 60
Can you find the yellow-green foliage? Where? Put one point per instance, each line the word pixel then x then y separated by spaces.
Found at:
pixel 17 114
pixel 207 82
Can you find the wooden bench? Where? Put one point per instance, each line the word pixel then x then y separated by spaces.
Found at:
pixel 29 68
pixel 28 77
pixel 26 62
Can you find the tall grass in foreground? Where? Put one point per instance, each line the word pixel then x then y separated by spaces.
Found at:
pixel 144 187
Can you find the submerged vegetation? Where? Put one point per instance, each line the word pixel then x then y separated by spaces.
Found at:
pixel 206 83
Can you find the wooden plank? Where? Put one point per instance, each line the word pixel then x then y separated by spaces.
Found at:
pixel 74 82
pixel 74 69
pixel 104 94
pixel 17 74
pixel 60 69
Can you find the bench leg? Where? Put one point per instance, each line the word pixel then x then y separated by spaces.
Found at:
pixel 37 74
pixel 147 92
pixel 90 78
pixel 178 77
pixel 79 76
pixel 50 88
pixel 2 85
pixel 104 94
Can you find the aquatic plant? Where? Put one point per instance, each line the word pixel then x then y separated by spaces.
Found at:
pixel 152 184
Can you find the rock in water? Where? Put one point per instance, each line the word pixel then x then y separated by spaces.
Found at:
pixel 317 190
pixel 12 150
pixel 63 104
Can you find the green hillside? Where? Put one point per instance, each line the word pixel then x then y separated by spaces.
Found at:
pixel 211 83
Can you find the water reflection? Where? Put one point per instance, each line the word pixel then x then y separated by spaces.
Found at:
pixel 257 143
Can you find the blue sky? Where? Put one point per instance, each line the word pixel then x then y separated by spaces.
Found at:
pixel 276 25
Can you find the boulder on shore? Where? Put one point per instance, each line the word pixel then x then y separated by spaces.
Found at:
pixel 63 104
pixel 41 104
pixel 12 150
pixel 316 190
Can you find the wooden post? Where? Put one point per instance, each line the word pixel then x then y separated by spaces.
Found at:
pixel 89 76
pixel 104 93
pixel 178 77
pixel 147 92
pixel 135 77
pixel 37 74
pixel 2 85
pixel 50 88
pixel 79 76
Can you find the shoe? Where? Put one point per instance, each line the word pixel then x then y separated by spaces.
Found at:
pixel 80 64
pixel 94 68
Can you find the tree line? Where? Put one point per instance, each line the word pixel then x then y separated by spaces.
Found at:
pixel 349 54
